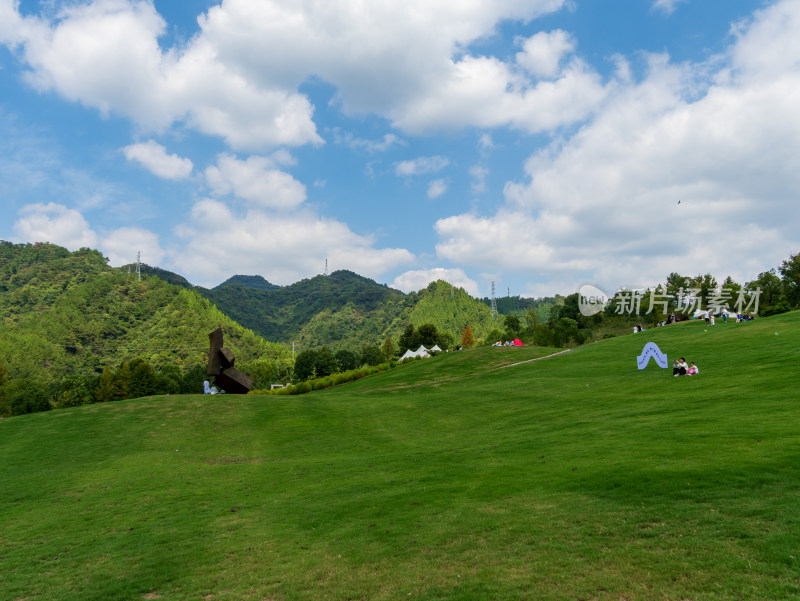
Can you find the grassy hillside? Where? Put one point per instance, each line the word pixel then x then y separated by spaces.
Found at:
pixel 473 475
pixel 64 313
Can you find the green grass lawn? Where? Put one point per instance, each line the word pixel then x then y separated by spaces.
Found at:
pixel 460 477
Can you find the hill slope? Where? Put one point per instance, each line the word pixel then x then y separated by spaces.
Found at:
pixel 65 313
pixel 572 477
pixel 346 310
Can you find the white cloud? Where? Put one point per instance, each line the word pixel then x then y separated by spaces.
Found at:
pixel 419 279
pixel 543 52
pixel 436 188
pixel 421 165
pixel 667 6
pixel 487 92
pixel 255 180
pixel 284 248
pixel 479 175
pixel 153 157
pixel 54 223
pixel 725 140
pixel 105 54
pixel 370 146
pixel 238 77
pixel 122 246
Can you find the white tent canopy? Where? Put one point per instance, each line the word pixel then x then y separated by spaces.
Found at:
pixel 420 352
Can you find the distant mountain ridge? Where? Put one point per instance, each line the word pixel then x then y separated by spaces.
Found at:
pixel 342 310
pixel 251 281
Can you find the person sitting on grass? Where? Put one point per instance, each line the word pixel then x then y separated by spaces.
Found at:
pixel 679 368
pixel 692 370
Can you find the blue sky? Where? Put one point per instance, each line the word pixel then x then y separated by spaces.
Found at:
pixel 539 144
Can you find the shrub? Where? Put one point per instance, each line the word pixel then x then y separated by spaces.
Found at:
pixel 777 309
pixel 320 383
pixel 25 396
pixel 301 388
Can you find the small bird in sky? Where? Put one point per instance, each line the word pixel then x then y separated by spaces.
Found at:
pixel 679 202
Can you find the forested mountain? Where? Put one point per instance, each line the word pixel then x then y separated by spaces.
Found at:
pixel 65 312
pixel 346 311
pixel 451 310
pixel 342 310
pixel 251 281
pixel 69 313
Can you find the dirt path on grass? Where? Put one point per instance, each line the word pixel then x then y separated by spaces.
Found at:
pixel 536 359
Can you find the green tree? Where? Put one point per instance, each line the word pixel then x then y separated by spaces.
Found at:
pixel 305 365
pixel 107 387
pixel 168 379
pixel 445 341
pixel 513 326
pixel 676 284
pixel 409 339
pixel 771 286
pixel 141 379
pixel 790 272
pixel 371 355
pixel 707 284
pixel 27 396
pixel 543 336
pixel 325 363
pixel 346 360
pixel 387 348
pixel 428 335
pixel 565 330
pixel 74 391
pixel 192 379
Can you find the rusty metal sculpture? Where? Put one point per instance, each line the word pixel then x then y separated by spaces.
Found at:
pixel 220 366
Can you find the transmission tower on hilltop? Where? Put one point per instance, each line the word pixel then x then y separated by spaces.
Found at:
pixel 139 265
pixel 494 304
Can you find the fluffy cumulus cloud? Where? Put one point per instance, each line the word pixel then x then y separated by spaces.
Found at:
pixel 722 138
pixel 122 246
pixel 105 54
pixel 54 223
pixel 153 157
pixel 282 247
pixel 419 279
pixel 238 77
pixel 543 52
pixel 255 180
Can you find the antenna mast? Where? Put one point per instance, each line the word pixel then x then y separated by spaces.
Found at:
pixel 494 304
pixel 139 265
pixel 326 267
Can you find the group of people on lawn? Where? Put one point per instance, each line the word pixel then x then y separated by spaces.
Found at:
pixel 680 368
